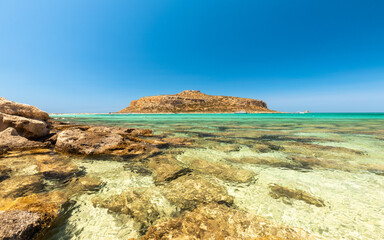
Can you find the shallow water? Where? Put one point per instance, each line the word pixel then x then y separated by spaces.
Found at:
pixel 342 163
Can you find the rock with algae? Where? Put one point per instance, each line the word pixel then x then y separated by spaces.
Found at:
pixel 189 191
pixel 214 221
pixel 278 191
pixel 20 186
pixel 166 168
pixel 144 205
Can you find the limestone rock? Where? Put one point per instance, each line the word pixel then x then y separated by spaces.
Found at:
pixel 138 204
pixel 195 101
pixel 23 110
pixel 56 167
pixel 20 186
pixel 278 191
pixel 10 140
pixel 221 170
pixel 166 168
pixel 189 191
pixel 215 221
pixel 20 225
pixel 26 127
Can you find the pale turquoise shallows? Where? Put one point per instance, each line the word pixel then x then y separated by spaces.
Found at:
pixel 335 157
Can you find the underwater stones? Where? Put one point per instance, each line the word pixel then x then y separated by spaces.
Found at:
pixel 184 142
pixel 140 204
pixel 166 168
pixel 86 183
pixel 23 110
pixel 29 128
pixel 277 191
pixel 56 168
pixel 4 172
pixel 221 171
pixel 19 225
pixel 11 140
pixel 189 191
pixel 20 186
pixel 318 150
pixel 214 221
pixel 141 132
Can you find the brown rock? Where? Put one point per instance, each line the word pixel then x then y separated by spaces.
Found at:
pixel 178 141
pixel 56 167
pixel 221 170
pixel 85 183
pixel 189 191
pixel 20 186
pixel 4 172
pixel 215 221
pixel 23 110
pixel 278 191
pixel 10 140
pixel 139 205
pixel 29 128
pixel 195 101
pixel 20 225
pixel 166 168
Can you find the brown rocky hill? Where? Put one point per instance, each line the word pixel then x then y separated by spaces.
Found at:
pixel 193 101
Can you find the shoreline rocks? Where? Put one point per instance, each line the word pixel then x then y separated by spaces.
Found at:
pixel 22 110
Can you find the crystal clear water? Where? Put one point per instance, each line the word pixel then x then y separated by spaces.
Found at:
pixel 338 158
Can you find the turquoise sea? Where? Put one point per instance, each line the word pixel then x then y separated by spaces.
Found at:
pixel 337 158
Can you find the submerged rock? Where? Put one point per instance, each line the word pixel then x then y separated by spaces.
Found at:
pixel 185 142
pixel 86 183
pixel 139 204
pixel 11 140
pixel 4 172
pixel 56 167
pixel 215 221
pixel 278 191
pixel 23 110
pixel 20 225
pixel 26 127
pixel 20 186
pixel 166 168
pixel 189 191
pixel 221 170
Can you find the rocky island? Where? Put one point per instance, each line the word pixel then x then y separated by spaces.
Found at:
pixel 194 101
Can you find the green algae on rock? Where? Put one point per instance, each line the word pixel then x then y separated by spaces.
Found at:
pixel 278 191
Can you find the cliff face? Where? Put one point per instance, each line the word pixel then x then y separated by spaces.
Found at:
pixel 194 101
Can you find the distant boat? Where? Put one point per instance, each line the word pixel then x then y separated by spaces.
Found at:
pixel 241 112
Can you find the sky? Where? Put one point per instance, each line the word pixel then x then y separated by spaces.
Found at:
pixel 68 56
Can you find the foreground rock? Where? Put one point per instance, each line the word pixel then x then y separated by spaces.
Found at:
pixel 25 217
pixel 189 191
pixel 23 110
pixel 195 101
pixel 278 191
pixel 215 221
pixel 26 127
pixel 20 225
pixel 140 205
pixel 11 140
pixel 100 141
pixel 56 167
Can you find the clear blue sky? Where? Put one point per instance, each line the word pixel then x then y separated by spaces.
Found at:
pixel 97 56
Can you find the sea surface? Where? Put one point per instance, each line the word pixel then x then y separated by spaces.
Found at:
pixel 337 158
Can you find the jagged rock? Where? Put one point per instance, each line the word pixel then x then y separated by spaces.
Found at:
pixel 93 142
pixel 189 191
pixel 166 168
pixel 20 225
pixel 278 191
pixel 45 205
pixel 194 101
pixel 56 167
pixel 140 205
pixel 11 140
pixel 221 170
pixel 26 127
pixel 20 186
pixel 23 110
pixel 215 221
